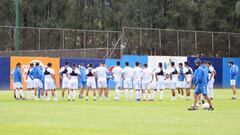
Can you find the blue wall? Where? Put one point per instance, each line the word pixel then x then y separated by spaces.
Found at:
pixel 217 64
pixel 134 58
pixel 85 61
pixel 5 73
pixel 226 76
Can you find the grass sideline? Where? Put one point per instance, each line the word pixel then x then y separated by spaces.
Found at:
pixel 118 118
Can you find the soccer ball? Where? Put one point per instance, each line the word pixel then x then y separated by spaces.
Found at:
pixel 205 106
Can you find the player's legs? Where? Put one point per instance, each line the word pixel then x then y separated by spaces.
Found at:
pixel 173 87
pixel 117 90
pixel 234 89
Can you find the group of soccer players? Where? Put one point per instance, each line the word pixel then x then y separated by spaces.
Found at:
pixel 139 78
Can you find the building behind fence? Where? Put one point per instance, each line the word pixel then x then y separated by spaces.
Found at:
pixel 54 42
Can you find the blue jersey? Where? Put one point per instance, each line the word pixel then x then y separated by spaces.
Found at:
pixel 17 75
pixel 181 75
pixel 207 72
pixel 200 76
pixel 234 72
pixel 83 75
pixel 36 73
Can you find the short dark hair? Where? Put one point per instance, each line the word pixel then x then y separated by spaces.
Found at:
pixel 31 64
pixel 160 64
pixel 230 62
pixel 172 63
pixel 66 63
pixel 180 64
pixel 37 64
pixel 18 64
pixel 118 63
pixel 49 64
pixel 90 65
pixel 127 63
pixel 145 65
pixel 137 63
pixel 209 63
pixel 74 65
pixel 186 63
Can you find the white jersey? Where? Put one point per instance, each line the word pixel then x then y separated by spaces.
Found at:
pixel 74 74
pixel 29 78
pixel 160 73
pixel 174 73
pixel 64 72
pixel 188 72
pixel 137 74
pixel 117 73
pixel 101 73
pixel 147 75
pixel 128 73
pixel 48 72
pixel 211 69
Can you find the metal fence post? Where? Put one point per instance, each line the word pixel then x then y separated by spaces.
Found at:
pixel 107 44
pixel 212 44
pixel 63 36
pixel 39 38
pixel 84 43
pixel 196 47
pixel 229 44
pixel 178 43
pixel 160 41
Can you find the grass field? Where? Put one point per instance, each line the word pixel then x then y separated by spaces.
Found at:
pixel 118 118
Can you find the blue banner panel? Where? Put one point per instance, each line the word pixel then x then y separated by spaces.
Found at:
pixel 217 64
pixel 132 59
pixel 5 73
pixel 226 70
pixel 85 61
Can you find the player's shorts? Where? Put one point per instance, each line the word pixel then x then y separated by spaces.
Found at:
pixel 160 85
pixel 128 84
pixel 137 85
pixel 102 83
pixel 232 82
pixel 118 83
pixel 30 84
pixel 91 82
pixel 180 84
pixel 65 83
pixel 146 85
pixel 186 85
pixel 73 84
pixel 82 84
pixel 202 88
pixel 210 83
pixel 17 85
pixel 49 85
pixel 38 83
pixel 173 85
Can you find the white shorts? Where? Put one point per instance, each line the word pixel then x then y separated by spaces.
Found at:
pixel 73 84
pixel 186 85
pixel 118 83
pixel 180 84
pixel 146 85
pixel 102 83
pixel 91 83
pixel 160 85
pixel 65 84
pixel 128 84
pixel 210 83
pixel 17 85
pixel 37 83
pixel 49 85
pixel 173 85
pixel 137 85
pixel 232 82
pixel 30 84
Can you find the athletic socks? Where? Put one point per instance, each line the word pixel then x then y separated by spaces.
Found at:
pixel 16 93
pixel 126 94
pixel 70 95
pixel 138 95
pixel 74 94
pixel 131 94
pixel 173 98
pixel 154 94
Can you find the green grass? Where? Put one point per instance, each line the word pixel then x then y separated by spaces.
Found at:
pixel 118 118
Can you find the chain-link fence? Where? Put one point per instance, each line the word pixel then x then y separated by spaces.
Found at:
pixel 149 41
pixel 60 42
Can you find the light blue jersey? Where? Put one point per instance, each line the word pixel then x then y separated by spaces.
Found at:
pixel 36 73
pixel 234 72
pixel 200 80
pixel 17 75
pixel 181 75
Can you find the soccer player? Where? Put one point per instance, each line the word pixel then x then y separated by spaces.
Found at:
pixel 36 75
pixel 180 82
pixel 30 86
pixel 211 75
pixel 91 82
pixel 200 85
pixel 65 80
pixel 127 77
pixel 50 82
pixel 160 75
pixel 173 79
pixel 137 77
pixel 147 78
pixel 17 82
pixel 101 75
pixel 234 73
pixel 117 75
pixel 73 76
pixel 188 75
pixel 82 79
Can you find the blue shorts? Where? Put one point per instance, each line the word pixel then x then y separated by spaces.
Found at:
pixel 201 89
pixel 81 84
